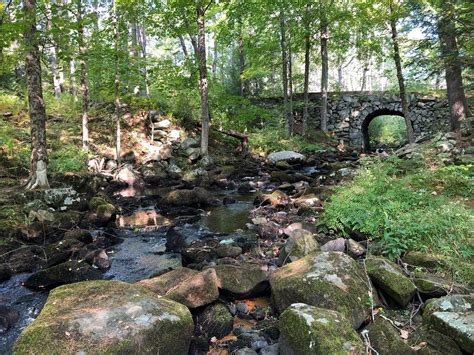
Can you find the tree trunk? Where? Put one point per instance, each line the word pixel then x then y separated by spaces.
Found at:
pixel 307 50
pixel 324 72
pixel 116 83
pixel 401 82
pixel 142 42
pixel 83 77
pixel 39 155
pixel 203 86
pixel 241 64
pixel 450 52
pixel 364 76
pixel 183 46
pixel 214 60
pixel 53 52
pixel 284 57
pixel 290 84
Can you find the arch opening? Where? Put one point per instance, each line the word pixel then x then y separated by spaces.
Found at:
pixel 383 127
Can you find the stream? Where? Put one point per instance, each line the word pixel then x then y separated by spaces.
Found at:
pixel 141 255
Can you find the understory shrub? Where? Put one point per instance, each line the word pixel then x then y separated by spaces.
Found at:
pixel 401 215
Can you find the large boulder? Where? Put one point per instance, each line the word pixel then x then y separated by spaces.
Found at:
pixel 241 281
pixel 65 273
pixel 189 287
pixel 198 197
pixel 286 155
pixel 300 243
pixel 330 280
pixel 452 315
pixel 431 342
pixel 307 330
pixel 388 277
pixel 62 198
pixel 107 317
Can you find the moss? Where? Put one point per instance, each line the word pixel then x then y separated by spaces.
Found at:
pixel 97 201
pixel 386 340
pixel 310 330
pixel 389 278
pixel 331 280
pixel 241 281
pixel 57 330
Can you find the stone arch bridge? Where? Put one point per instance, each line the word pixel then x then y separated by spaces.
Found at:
pixel 350 113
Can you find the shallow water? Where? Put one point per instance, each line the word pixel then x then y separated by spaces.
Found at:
pixel 27 303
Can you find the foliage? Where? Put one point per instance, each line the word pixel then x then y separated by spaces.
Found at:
pixel 67 158
pixel 402 216
pixel 387 130
pixel 12 146
pixel 10 103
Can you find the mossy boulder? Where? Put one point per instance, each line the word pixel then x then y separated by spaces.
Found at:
pixel 107 317
pixel 197 197
pixel 189 287
pixel 452 315
pixel 241 281
pixel 431 342
pixel 82 235
pixel 307 330
pixel 214 321
pixel 388 277
pixel 418 258
pixel 300 243
pixel 386 339
pixel 331 280
pixel 430 285
pixel 103 208
pixel 65 273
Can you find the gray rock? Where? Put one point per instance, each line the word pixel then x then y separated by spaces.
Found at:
pixel 189 143
pixel 286 155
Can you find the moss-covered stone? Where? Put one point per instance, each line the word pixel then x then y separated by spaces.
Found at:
pixel 298 245
pixel 65 273
pixel 107 317
pixel 307 330
pixel 432 285
pixel 214 321
pixel 197 197
pixel 431 342
pixel 240 281
pixel 453 316
pixel 389 278
pixel 386 340
pixel 332 280
pixel 418 258
pixel 96 201
pixel 191 288
pixel 82 235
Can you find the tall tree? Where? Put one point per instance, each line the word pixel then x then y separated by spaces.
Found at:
pixel 39 155
pixel 307 52
pixel 203 85
pixel 450 52
pixel 324 36
pixel 398 64
pixel 118 133
pixel 83 75
pixel 285 66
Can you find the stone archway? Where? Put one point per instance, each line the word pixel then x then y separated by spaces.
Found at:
pixel 366 122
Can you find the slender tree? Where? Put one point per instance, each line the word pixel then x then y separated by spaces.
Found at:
pixel 398 64
pixel 450 53
pixel 39 155
pixel 324 36
pixel 285 65
pixel 83 76
pixel 115 21
pixel 307 51
pixel 203 85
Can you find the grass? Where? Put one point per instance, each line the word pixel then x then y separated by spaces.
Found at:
pixel 387 130
pixel 410 207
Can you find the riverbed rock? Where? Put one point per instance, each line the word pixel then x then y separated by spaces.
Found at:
pixel 8 317
pixel 332 280
pixel 65 273
pixel 103 317
pixel 62 198
pixel 338 244
pixel 307 329
pixel 197 197
pixel 432 342
pixel 386 339
pixel 241 281
pixel 388 277
pixel 286 155
pixel 300 243
pixel 452 315
pixel 189 287
pixel 129 176
pixel 431 286
pixel 417 258
pixel 83 235
pixel 5 272
pixel 189 143
pixel 355 249
pixel 276 199
pixel 99 259
pixel 214 320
